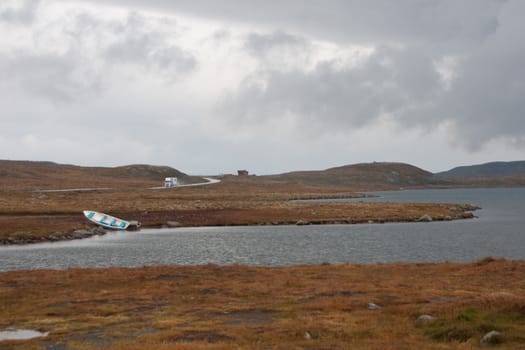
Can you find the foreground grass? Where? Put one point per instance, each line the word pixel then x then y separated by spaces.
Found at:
pixel 299 307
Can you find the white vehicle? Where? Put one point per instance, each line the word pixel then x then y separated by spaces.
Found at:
pixel 171 182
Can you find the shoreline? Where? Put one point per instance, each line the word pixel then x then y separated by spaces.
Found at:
pixel 29 217
pixel 153 221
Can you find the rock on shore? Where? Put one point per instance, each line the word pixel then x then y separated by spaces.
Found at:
pixel 56 236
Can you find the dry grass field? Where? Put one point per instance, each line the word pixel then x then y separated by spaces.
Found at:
pixel 242 307
pixel 29 216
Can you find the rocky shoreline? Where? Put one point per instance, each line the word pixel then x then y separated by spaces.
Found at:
pixel 155 221
pixel 57 236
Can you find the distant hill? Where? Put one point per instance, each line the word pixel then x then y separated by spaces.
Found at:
pixel 49 175
pixel 366 175
pixel 30 175
pixel 487 170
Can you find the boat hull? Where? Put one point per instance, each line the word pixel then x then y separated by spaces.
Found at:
pixel 106 220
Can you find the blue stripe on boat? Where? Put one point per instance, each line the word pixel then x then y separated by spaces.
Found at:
pixel 113 222
pixel 122 224
pixel 103 218
pixel 91 214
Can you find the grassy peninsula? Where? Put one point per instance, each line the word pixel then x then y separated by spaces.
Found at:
pixel 33 207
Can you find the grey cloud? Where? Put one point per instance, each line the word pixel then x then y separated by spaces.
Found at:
pixel 24 13
pixel 221 34
pixel 58 77
pixel 452 22
pixel 135 44
pixel 486 100
pixel 330 97
pixel 483 102
pixel 93 47
pixel 260 44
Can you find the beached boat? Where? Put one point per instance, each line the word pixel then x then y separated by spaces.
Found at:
pixel 106 220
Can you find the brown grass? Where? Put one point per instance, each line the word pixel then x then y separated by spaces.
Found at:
pixel 33 216
pixel 27 175
pixel 301 307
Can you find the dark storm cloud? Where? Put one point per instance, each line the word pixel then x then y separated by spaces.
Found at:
pixel 353 21
pixel 487 100
pixel 482 100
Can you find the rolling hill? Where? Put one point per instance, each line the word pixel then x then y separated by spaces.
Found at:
pixel 381 175
pixel 487 170
pixel 366 175
pixel 30 175
pixel 15 175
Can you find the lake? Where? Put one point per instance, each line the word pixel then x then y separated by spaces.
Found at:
pixel 499 231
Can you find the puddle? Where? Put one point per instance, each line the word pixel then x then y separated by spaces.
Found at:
pixel 20 334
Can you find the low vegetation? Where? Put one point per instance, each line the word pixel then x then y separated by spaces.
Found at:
pixel 28 216
pixel 26 175
pixel 243 307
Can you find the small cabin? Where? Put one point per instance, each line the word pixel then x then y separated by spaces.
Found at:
pixel 170 182
pixel 242 172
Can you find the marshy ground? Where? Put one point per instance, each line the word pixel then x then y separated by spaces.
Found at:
pixel 299 307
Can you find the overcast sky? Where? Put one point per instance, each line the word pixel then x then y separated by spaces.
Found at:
pixel 210 87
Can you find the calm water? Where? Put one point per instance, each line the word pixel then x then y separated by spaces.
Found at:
pixel 499 231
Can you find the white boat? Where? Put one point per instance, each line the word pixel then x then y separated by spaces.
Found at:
pixel 106 220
